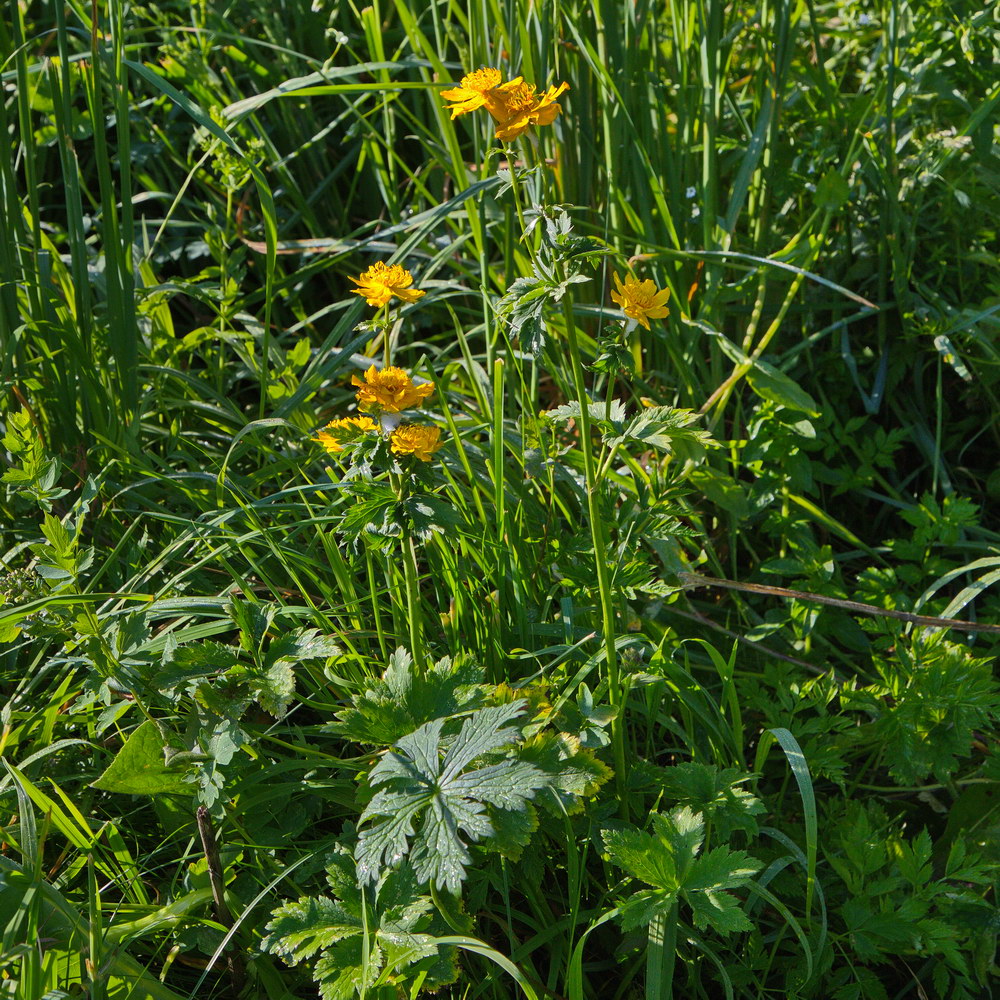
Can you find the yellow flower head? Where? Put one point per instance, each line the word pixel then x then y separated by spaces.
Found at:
pixel 337 433
pixel 413 439
pixel 380 283
pixel 471 93
pixel 516 106
pixel 390 390
pixel 640 300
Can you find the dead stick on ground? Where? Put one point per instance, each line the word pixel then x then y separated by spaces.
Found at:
pixel 689 580
pixel 210 846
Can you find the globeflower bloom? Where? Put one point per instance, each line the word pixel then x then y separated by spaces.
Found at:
pixel 472 92
pixel 338 433
pixel 381 282
pixel 390 390
pixel 413 439
pixel 641 300
pixel 516 106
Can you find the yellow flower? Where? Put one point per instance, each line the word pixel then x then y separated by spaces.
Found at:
pixel 640 300
pixel 412 439
pixel 337 433
pixel 516 106
pixel 380 283
pixel 471 92
pixel 389 390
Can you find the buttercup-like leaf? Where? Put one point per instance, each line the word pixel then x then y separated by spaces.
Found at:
pixel 419 785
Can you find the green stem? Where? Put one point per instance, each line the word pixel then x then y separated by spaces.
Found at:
pixel 383 317
pixel 600 554
pixel 498 482
pixel 516 191
pixel 414 611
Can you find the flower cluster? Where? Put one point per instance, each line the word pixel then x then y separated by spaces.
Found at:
pixel 385 394
pixel 514 105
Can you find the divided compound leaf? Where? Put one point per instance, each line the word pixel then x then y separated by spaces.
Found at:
pixel 363 937
pixel 434 800
pixel 402 701
pixel 668 860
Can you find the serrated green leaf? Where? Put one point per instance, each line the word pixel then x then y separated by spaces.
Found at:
pixel 275 689
pixel 300 645
pixel 184 666
pixel 643 856
pixel 416 781
pixel 666 428
pixel 718 910
pixel 682 832
pixel 512 830
pixel 298 930
pixel 721 868
pixel 574 771
pixel 253 622
pixel 641 908
pixel 401 701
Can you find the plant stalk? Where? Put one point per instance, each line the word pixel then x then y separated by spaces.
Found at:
pixel 599 542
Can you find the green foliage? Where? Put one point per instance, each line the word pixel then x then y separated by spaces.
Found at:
pixel 668 860
pixel 33 473
pixel 139 768
pixel 366 940
pixel 930 705
pixel 197 602
pixel 899 901
pixel 430 796
pixel 402 700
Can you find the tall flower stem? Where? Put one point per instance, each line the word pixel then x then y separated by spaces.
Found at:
pixel 515 187
pixel 383 318
pixel 599 541
pixel 414 610
pixel 597 533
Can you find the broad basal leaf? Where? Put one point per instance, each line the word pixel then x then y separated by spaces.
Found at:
pixel 140 767
pixel 428 795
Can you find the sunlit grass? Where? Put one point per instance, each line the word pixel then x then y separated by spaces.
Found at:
pixel 354 395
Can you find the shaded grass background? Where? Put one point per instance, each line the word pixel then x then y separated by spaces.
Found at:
pixel 188 186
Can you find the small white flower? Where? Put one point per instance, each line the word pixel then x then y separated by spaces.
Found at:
pixel 690 192
pixel 695 212
pixel 864 19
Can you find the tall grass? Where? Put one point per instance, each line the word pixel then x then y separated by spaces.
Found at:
pixel 185 191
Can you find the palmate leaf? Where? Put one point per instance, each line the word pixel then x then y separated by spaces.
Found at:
pixel 574 771
pixel 417 783
pixel 718 910
pixel 402 701
pixel 299 930
pixel 668 860
pixel 397 924
pixel 643 857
